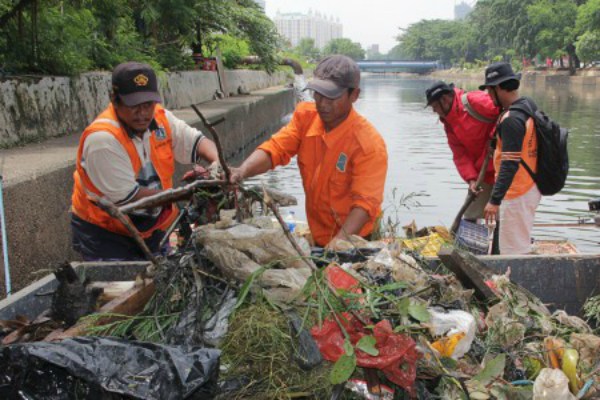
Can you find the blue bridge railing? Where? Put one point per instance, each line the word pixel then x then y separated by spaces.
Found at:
pixel 398 66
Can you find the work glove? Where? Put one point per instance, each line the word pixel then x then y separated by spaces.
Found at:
pixel 215 171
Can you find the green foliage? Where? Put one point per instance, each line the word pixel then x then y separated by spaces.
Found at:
pixel 306 48
pixel 367 344
pixel 588 46
pixel 436 40
pixel 66 46
pixel 346 47
pixel 554 22
pixel 232 49
pixel 588 16
pixel 507 30
pixel 493 369
pixel 343 369
pixel 71 37
pixel 591 308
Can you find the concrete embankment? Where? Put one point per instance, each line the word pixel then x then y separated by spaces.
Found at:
pixel 53 112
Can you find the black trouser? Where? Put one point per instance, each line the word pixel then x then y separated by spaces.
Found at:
pixel 97 244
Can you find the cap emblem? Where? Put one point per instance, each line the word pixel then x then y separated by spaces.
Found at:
pixel 141 80
pixel 492 74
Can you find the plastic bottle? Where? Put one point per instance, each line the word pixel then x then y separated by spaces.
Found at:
pixel 290 220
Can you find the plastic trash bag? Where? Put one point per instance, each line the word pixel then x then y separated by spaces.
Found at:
pixel 94 367
pixel 552 384
pixel 453 323
pixel 397 356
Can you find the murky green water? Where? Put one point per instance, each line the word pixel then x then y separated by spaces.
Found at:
pixel 420 161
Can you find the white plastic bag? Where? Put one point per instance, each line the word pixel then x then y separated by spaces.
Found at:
pixel 453 322
pixel 552 384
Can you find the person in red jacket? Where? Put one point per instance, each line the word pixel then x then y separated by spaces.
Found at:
pixel 469 121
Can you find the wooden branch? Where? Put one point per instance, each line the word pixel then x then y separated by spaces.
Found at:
pixel 114 211
pixel 472 195
pixel 215 136
pixel 170 195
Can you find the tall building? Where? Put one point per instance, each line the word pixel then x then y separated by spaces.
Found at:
pixel 261 3
pixel 297 26
pixel 461 10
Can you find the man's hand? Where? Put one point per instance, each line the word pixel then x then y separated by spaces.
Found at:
pixel 237 175
pixel 490 213
pixel 334 244
pixel 473 188
pixel 197 172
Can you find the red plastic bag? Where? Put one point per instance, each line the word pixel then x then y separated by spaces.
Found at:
pixel 398 355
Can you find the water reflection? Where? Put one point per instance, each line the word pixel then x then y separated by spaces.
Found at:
pixel 420 161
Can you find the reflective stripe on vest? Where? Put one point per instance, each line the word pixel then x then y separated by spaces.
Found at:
pixel 161 156
pixel 522 181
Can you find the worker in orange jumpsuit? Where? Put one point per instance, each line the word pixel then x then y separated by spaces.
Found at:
pixel 341 156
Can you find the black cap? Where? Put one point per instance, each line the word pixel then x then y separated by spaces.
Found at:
pixel 334 75
pixel 135 83
pixel 497 73
pixel 435 91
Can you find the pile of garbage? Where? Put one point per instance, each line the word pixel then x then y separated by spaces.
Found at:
pixel 373 320
pixel 391 324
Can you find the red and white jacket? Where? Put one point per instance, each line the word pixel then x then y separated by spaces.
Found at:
pixel 467 136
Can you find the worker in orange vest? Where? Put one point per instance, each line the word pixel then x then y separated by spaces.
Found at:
pixel 515 196
pixel 341 156
pixel 127 153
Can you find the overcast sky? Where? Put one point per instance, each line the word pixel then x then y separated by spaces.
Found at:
pixel 370 21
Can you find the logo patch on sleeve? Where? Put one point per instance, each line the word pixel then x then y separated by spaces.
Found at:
pixel 341 162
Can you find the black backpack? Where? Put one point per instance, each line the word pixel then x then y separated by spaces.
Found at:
pixel 552 157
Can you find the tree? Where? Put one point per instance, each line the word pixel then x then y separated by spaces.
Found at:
pixel 554 23
pixel 588 46
pixel 346 47
pixel 588 17
pixel 306 48
pixel 436 40
pixel 67 37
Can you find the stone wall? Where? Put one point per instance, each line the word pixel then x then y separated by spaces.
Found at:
pixel 32 110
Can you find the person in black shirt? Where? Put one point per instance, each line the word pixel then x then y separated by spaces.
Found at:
pixel 515 196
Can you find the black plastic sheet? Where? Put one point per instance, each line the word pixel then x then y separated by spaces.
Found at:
pixel 107 368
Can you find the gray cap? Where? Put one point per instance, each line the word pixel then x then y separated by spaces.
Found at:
pixel 334 75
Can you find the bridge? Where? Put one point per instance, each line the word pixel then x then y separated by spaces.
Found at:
pixel 421 67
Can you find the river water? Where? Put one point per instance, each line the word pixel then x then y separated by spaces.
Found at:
pixel 422 182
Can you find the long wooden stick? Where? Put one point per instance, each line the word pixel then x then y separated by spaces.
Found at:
pixel 114 211
pixel 215 136
pixel 472 195
pixel 170 195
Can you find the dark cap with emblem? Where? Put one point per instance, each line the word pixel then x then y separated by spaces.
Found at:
pixel 135 83
pixel 435 91
pixel 334 75
pixel 497 73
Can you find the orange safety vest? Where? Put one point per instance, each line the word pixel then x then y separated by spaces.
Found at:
pixel 522 181
pixel 161 155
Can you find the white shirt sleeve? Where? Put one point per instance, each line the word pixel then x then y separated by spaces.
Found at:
pixel 185 139
pixel 109 167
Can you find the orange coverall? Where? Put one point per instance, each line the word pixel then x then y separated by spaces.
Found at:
pixel 340 169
